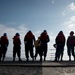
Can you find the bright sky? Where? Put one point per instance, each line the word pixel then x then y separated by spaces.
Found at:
pixel 36 15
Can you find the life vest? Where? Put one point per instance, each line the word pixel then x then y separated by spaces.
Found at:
pixel 29 36
pixel 4 40
pixel 16 40
pixel 71 40
pixel 60 38
pixel 44 37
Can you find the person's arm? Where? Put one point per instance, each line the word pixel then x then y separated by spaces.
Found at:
pixel 7 42
pixel 25 40
pixel 48 39
pixel 67 41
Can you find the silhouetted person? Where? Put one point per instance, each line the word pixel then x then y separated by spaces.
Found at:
pixel 4 45
pixel 29 39
pixel 16 47
pixel 70 45
pixel 60 43
pixel 37 48
pixel 44 38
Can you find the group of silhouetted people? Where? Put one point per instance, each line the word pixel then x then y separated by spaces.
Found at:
pixel 60 43
pixel 40 45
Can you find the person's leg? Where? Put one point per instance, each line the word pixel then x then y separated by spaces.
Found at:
pixel 45 51
pixel 27 52
pixel 41 52
pixel 62 50
pixel 1 53
pixel 31 53
pixel 69 52
pixel 4 52
pixel 14 53
pixel 19 54
pixel 73 54
pixel 36 52
pixel 57 54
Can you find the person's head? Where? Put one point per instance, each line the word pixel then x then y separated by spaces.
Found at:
pixel 39 37
pixel 29 32
pixel 61 32
pixel 17 34
pixel 71 33
pixel 5 34
pixel 45 31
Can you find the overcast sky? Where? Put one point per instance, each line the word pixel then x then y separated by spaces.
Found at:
pixel 36 15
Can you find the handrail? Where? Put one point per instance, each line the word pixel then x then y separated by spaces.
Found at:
pixel 50 55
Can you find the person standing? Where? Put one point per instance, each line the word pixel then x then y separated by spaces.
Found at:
pixel 44 39
pixel 17 46
pixel 70 45
pixel 37 48
pixel 4 44
pixel 60 43
pixel 29 41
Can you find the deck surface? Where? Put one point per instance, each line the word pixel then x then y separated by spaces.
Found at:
pixel 39 64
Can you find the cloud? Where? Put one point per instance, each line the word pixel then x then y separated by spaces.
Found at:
pixel 71 23
pixel 52 1
pixel 68 9
pixel 63 13
pixel 71 6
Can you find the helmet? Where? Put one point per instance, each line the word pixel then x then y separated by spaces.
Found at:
pixel 71 33
pixel 17 34
pixel 5 34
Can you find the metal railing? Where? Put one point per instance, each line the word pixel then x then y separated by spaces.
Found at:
pixel 50 55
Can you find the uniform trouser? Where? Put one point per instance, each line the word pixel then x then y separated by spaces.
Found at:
pixel 29 49
pixel 44 49
pixel 70 50
pixel 3 51
pixel 59 52
pixel 16 50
